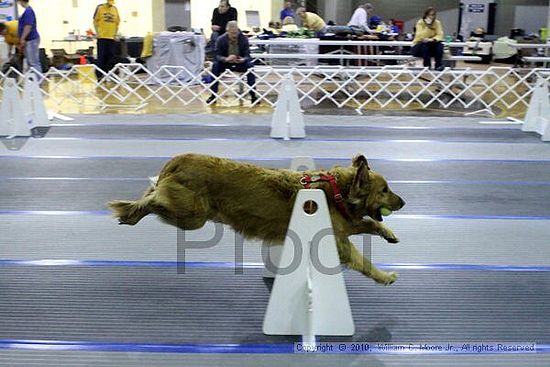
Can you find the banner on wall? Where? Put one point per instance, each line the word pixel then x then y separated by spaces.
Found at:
pixel 8 10
pixel 475 13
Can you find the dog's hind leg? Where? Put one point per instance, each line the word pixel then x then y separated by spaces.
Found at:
pixel 350 256
pixel 179 206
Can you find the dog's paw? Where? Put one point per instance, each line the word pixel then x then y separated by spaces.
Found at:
pixel 388 235
pixel 387 278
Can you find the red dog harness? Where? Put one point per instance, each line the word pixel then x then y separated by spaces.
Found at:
pixel 307 180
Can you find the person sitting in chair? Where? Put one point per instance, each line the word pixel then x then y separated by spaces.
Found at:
pixel 428 39
pixel 289 25
pixel 233 53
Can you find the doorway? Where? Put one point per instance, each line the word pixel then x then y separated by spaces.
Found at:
pixel 178 13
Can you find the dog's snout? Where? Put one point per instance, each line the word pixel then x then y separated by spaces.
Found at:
pixel 402 202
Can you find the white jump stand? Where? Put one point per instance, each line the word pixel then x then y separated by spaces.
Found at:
pixel 33 103
pixel 271 255
pixel 302 164
pixel 306 299
pixel 12 117
pixel 538 113
pixel 546 132
pixel 54 115
pixel 288 119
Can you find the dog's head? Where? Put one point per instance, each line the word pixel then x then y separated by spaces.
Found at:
pixel 370 191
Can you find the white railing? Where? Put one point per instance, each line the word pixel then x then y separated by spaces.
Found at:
pixel 316 41
pixel 133 86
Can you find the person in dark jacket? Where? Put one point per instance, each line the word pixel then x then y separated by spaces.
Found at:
pixel 233 53
pixel 222 15
pixel 287 11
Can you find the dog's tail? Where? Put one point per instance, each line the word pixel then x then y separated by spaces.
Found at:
pixel 131 212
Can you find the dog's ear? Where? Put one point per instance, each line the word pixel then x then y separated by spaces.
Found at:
pixel 361 179
pixel 360 160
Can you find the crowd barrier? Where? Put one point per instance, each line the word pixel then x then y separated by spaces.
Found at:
pixel 391 87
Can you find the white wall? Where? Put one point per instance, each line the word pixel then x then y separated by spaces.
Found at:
pixel 201 12
pixel 136 18
pixel 531 18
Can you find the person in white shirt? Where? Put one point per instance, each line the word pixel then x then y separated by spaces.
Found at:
pixel 360 18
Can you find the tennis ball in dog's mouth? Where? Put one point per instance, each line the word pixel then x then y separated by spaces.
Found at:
pixel 385 212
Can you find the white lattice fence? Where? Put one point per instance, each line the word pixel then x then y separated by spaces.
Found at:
pixel 133 86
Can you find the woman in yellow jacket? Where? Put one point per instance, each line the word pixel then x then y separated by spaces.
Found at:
pixel 428 39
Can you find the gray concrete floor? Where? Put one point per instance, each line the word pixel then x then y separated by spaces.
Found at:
pixel 472 201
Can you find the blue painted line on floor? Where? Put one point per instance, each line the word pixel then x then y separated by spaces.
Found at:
pixel 288 159
pixel 404 182
pixel 56 212
pixel 466 267
pixel 144 179
pixel 287 348
pixel 515 127
pixel 472 182
pixel 470 217
pixel 429 141
pixel 231 265
pixel 154 264
pixel 149 348
pixel 400 216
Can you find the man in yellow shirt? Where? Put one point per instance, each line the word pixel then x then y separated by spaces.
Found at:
pixel 106 22
pixel 9 31
pixel 311 21
pixel 428 39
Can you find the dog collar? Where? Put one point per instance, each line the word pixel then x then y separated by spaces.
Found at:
pixel 307 180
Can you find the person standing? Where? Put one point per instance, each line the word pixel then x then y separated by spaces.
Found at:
pixel 287 11
pixel 29 39
pixel 233 53
pixel 106 23
pixel 222 15
pixel 428 40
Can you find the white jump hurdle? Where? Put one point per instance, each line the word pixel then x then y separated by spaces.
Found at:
pixel 288 118
pixel 306 299
pixel 33 103
pixel 271 255
pixel 12 117
pixel 538 113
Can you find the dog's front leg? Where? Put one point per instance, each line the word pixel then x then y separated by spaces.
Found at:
pixel 373 227
pixel 350 256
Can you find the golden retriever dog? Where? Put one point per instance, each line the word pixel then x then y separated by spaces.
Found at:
pixel 257 202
